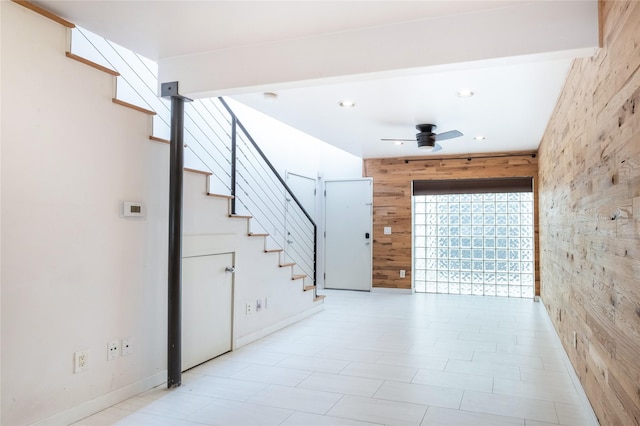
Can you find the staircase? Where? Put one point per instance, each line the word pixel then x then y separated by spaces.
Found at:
pixel 218 148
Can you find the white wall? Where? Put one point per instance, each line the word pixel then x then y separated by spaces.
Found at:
pixel 75 275
pixel 292 150
pixel 257 275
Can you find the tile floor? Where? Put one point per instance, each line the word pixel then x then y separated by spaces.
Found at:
pixel 384 359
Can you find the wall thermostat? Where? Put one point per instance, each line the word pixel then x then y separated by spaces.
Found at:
pixel 132 209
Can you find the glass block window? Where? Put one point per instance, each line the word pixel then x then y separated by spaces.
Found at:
pixel 479 244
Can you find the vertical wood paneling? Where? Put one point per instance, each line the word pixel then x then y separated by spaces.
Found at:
pixel 392 178
pixel 590 229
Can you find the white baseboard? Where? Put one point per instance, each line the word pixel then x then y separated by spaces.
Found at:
pixel 252 337
pixel 103 402
pixel 391 290
pixel 572 373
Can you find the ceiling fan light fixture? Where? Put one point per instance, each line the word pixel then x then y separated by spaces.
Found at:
pixel 347 103
pixel 426 140
pixel 479 138
pixel 464 93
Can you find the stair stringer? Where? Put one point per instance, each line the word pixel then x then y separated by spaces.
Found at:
pixel 258 275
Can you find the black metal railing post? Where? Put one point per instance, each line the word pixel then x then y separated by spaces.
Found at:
pixel 174 285
pixel 233 163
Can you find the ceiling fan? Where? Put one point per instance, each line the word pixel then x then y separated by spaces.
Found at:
pixel 428 139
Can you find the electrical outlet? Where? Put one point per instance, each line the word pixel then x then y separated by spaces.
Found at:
pixel 113 350
pixel 258 305
pixel 267 302
pixel 249 308
pixel 402 273
pixel 80 361
pixel 127 346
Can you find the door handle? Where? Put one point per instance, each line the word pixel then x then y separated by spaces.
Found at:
pixel 230 269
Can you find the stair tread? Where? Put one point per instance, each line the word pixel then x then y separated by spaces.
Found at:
pixel 237 216
pixel 132 106
pixel 273 250
pixel 200 172
pixel 282 265
pixel 298 276
pixel 251 234
pixel 157 139
pixel 319 297
pixel 309 287
pixel 229 197
pixel 92 64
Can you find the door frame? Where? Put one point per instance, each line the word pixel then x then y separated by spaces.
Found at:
pixel 324 225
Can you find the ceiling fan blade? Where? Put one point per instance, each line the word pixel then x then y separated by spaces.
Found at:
pixel 437 147
pixel 448 135
pixel 397 139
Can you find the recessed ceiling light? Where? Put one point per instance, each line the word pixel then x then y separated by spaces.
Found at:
pixel 347 104
pixel 270 95
pixel 479 138
pixel 464 93
pixel 398 143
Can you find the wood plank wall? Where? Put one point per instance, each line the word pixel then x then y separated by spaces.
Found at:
pixel 590 226
pixel 392 179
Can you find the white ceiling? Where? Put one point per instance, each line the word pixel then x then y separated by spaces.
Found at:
pixel 400 61
pixel 511 106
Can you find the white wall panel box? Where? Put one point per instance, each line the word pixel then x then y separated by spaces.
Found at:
pixel 132 209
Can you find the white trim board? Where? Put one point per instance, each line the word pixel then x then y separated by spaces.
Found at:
pixel 103 402
pixel 252 337
pixel 391 290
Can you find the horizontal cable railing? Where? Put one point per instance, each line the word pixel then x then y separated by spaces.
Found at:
pixel 261 191
pixel 216 141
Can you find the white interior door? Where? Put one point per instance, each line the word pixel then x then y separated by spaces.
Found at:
pixel 348 220
pixel 207 308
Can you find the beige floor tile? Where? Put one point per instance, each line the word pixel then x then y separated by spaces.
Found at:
pixel 379 411
pixel 347 385
pixel 420 394
pixel 504 405
pixel 437 416
pixel 385 359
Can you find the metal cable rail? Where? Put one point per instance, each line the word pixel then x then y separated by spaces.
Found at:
pixel 217 141
pixel 275 201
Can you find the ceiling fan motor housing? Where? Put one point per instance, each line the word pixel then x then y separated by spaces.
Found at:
pixel 426 138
